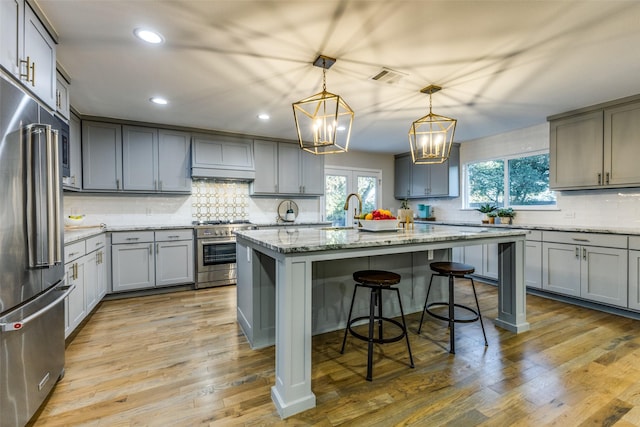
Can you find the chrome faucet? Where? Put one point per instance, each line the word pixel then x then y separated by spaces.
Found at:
pixel 346 203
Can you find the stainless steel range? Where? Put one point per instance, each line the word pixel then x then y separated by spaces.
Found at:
pixel 216 252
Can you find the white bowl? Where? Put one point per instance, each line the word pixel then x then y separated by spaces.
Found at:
pixel 379 224
pixel 73 221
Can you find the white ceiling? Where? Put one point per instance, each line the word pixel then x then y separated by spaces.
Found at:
pixel 503 65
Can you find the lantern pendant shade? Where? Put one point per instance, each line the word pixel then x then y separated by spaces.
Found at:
pixel 431 136
pixel 324 120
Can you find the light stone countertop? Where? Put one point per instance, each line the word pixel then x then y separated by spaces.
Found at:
pixel 302 240
pixel 578 228
pixel 72 234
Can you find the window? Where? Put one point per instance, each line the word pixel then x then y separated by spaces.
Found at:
pixel 515 182
pixel 339 183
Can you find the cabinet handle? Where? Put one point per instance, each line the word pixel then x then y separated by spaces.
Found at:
pixel 132 238
pixel 173 237
pixel 157 248
pixel 606 178
pixel 576 239
pixel 75 271
pixel 150 250
pixel 584 254
pixel 577 252
pixel 599 179
pixel 30 75
pixel 117 184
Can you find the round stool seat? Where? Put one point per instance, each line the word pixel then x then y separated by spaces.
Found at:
pixel 376 277
pixel 453 268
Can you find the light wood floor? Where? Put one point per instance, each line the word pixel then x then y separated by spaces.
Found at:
pixel 181 360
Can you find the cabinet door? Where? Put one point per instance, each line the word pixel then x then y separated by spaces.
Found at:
pixel 11 31
pixel 490 261
pixel 90 263
pixel 419 180
pixel 101 156
pixel 473 255
pixel 575 151
pixel 561 268
pixel 604 275
pixel 289 179
pixel 439 179
pixel 266 181
pixel 312 173
pixel 41 50
pixel 402 176
pixel 533 264
pixel 634 280
pixel 222 152
pixel 132 267
pixel 75 154
pixel 75 302
pixel 174 155
pixel 174 262
pixel 139 158
pixel 101 274
pixel 622 144
pixel 62 96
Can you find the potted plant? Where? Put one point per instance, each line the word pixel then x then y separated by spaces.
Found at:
pixel 486 209
pixel 506 215
pixel 405 213
pixel 491 216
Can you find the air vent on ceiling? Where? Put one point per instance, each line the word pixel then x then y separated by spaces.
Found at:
pixel 388 76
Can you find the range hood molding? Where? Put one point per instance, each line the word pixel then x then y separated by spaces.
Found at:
pixel 223 174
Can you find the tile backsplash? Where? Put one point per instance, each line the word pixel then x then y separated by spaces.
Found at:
pixel 213 200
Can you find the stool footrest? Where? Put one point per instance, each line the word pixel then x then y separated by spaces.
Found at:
pixel 379 340
pixel 446 318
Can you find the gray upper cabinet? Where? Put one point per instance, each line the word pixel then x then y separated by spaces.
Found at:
pixel 284 169
pixel 139 158
pixel 62 95
pixel 174 155
pixel 74 181
pixel 421 181
pixel 596 147
pixel 27 50
pixel 135 158
pixel 101 156
pixel 226 157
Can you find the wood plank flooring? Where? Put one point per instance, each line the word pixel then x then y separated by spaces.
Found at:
pixel 180 359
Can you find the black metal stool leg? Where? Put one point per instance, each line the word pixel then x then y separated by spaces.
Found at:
pixel 452 323
pixel 346 330
pixel 404 324
pixel 473 286
pixel 425 304
pixel 372 320
pixel 379 292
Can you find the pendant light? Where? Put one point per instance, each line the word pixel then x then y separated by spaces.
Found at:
pixel 431 136
pixel 323 121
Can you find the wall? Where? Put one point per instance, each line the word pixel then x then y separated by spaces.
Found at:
pixel 596 208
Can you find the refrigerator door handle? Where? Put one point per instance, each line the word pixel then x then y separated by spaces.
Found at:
pixel 53 196
pixel 16 325
pixel 35 245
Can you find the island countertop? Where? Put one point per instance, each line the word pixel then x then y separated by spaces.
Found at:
pixel 291 241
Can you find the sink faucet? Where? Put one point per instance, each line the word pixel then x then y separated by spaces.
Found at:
pixel 346 203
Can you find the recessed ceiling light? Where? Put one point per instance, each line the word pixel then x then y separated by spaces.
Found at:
pixel 159 100
pixel 340 128
pixel 148 36
pixel 263 116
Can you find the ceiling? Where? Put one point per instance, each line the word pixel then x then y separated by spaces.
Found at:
pixel 503 65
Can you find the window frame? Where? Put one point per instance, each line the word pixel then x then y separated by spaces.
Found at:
pixel 505 159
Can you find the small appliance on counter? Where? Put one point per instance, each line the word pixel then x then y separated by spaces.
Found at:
pixel 287 211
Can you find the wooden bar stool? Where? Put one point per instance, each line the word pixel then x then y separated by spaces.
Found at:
pixel 376 281
pixel 453 270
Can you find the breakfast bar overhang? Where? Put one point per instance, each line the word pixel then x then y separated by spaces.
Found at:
pixel 294 259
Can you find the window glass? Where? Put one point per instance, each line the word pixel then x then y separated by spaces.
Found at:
pixel 335 195
pixel 521 181
pixel 367 190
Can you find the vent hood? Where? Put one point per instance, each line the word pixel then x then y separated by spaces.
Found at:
pixel 222 157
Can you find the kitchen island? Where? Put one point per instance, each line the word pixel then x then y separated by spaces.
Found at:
pixel 283 262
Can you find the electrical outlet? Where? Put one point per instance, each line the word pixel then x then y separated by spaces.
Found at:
pixel 430 254
pixel 570 215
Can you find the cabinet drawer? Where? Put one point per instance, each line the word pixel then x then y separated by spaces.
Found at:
pixel 532 235
pixel 587 239
pixel 74 251
pixel 95 243
pixel 634 242
pixel 170 235
pixel 132 237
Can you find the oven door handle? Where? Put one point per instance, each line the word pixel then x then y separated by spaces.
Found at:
pixel 216 242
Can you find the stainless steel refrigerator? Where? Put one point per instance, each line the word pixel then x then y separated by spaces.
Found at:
pixel 32 287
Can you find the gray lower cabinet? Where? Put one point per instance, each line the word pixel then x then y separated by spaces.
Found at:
pixel 422 181
pixel 484 258
pixel 634 272
pixel 135 158
pixel 148 259
pixel 284 169
pixel 589 266
pixel 533 260
pixel 85 270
